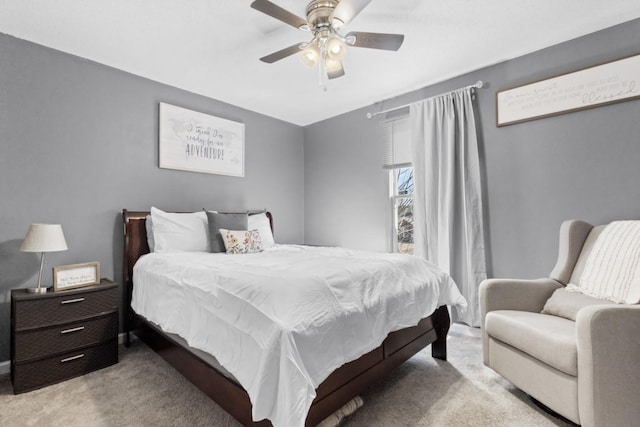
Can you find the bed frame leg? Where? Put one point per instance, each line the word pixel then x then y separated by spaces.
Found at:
pixel 441 323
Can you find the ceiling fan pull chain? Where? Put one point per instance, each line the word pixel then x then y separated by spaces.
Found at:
pixel 322 75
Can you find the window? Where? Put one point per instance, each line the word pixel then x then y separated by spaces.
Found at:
pixel 402 210
pixel 398 161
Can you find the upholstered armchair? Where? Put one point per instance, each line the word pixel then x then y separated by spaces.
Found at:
pixel 576 354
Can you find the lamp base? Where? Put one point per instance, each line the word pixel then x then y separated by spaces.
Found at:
pixel 41 290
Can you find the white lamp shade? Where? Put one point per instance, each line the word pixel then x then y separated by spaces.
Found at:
pixel 44 238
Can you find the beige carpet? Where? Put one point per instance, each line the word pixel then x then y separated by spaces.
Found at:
pixel 142 390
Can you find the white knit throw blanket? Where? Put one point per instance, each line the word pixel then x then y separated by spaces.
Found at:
pixel 612 270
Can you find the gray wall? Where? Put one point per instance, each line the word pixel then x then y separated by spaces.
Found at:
pixel 345 185
pixel 536 174
pixel 79 142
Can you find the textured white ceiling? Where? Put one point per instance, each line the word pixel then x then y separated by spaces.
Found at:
pixel 211 47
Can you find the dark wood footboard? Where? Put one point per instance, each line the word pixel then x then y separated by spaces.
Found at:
pixel 340 387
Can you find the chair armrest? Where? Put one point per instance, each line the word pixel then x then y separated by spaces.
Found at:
pixel 608 340
pixel 515 294
pixel 512 294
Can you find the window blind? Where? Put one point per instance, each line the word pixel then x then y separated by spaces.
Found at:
pixel 397 148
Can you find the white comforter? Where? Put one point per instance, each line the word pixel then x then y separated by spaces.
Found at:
pixel 282 320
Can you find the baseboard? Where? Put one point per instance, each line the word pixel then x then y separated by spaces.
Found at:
pixel 5 367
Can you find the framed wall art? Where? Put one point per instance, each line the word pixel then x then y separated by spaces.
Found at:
pixel 602 84
pixel 76 275
pixel 199 142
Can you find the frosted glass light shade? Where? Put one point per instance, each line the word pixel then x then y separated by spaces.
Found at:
pixel 331 65
pixel 336 49
pixel 311 55
pixel 44 238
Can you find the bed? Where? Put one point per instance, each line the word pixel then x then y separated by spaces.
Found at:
pixel 204 371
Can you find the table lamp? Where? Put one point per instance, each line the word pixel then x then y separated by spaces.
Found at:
pixel 43 238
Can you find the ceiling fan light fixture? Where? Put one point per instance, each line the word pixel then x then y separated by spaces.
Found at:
pixel 331 65
pixel 328 47
pixel 333 68
pixel 336 48
pixel 311 55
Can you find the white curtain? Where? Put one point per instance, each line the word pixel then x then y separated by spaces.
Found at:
pixel 448 225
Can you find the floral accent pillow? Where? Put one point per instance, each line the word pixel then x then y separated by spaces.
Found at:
pixel 241 241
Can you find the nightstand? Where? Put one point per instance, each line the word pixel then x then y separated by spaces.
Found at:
pixel 60 335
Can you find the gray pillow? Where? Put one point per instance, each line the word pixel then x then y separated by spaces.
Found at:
pixel 567 304
pixel 229 221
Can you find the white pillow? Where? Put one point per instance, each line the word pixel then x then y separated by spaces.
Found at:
pixel 180 232
pixel 261 223
pixel 241 241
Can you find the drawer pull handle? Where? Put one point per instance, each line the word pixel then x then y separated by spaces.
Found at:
pixel 69 359
pixel 71 301
pixel 68 331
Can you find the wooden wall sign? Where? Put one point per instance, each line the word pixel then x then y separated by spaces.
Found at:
pixel 199 142
pixel 602 84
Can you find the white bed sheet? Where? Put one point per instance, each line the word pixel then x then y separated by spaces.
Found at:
pixel 282 320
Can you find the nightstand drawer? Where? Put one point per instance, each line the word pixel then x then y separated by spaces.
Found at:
pixel 33 375
pixel 64 307
pixel 39 343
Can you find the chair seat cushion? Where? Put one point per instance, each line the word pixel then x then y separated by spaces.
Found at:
pixel 550 339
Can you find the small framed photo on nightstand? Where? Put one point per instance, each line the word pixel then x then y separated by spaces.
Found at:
pixel 76 276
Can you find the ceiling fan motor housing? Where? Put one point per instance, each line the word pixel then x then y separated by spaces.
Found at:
pixel 318 13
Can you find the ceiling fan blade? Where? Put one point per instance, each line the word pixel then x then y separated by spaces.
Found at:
pixel 375 40
pixel 336 70
pixel 283 53
pixel 346 10
pixel 275 11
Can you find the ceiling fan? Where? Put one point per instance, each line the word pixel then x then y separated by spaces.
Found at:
pixel 325 19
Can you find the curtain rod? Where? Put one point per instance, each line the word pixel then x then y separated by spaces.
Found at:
pixel 477 85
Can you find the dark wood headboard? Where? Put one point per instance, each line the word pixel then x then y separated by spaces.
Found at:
pixel 135 241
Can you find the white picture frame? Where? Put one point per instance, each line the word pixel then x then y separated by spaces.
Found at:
pixel 198 142
pixel 75 275
pixel 595 86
